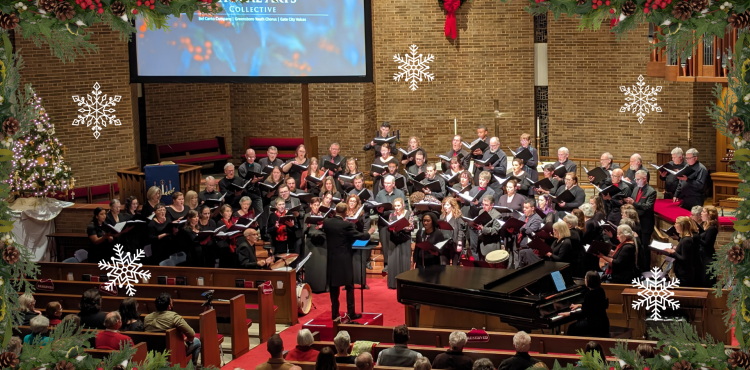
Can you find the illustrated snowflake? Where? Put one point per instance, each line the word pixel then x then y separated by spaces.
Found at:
pixel 640 99
pixel 97 110
pixel 124 270
pixel 655 292
pixel 413 67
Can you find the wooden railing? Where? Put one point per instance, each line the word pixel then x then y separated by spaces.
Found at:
pixel 708 62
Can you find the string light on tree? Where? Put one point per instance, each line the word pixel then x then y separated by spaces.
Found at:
pixel 40 169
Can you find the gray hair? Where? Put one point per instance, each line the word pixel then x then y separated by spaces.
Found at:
pixel 483 364
pixel 495 139
pixel 489 197
pixel 246 199
pixel 457 339
pixel 342 341
pixel 626 231
pixel 696 210
pixel 210 178
pixel 692 151
pixel 608 155
pixel 389 178
pixel 24 303
pixel 587 209
pixel 364 361
pixel 678 151
pixel 571 220
pixel 643 173
pixel 228 165
pixel 422 363
pixel 564 149
pixel 39 324
pixel 522 341
pixel 637 157
pixel 305 337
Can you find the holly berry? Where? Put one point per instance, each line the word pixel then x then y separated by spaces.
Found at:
pixel 645 10
pixel 135 11
pixel 593 7
pixel 607 2
pixel 611 11
pixel 151 7
pixel 138 2
pixel 100 11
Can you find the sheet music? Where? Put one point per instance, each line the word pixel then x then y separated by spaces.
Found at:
pixel 302 263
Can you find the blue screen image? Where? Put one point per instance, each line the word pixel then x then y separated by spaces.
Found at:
pixel 259 38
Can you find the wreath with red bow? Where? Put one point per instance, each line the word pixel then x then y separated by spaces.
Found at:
pixel 450 20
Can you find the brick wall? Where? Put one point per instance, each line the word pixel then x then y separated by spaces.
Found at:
pixel 585 72
pixel 94 161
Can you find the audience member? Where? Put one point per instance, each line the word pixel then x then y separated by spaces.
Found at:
pixel 483 364
pixel 595 348
pixel 454 358
pixel 54 313
pixel 399 355
pixel 72 318
pixel 39 327
pixel 91 315
pixel 645 351
pixel 26 304
pixel 521 360
pixel 422 363
pixel 326 360
pixel 275 347
pixel 131 318
pixel 15 345
pixel 303 351
pixel 112 338
pixel 364 361
pixel 164 319
pixel 342 341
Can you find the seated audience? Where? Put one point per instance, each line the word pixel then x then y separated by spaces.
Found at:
pixel 275 348
pixel 91 315
pixel 303 351
pixel 595 348
pixel 399 355
pixel 364 361
pixel 39 328
pixel 164 319
pixel 422 363
pixel 26 304
pixel 483 364
pixel 131 318
pixel 645 351
pixel 326 360
pixel 112 338
pixel 521 360
pixel 15 345
pixel 72 318
pixel 54 313
pixel 342 341
pixel 454 358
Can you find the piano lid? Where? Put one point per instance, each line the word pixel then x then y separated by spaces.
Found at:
pixel 500 282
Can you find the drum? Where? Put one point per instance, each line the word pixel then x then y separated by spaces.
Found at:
pixel 497 258
pixel 288 257
pixel 304 298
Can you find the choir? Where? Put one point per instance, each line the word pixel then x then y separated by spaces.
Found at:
pixel 477 205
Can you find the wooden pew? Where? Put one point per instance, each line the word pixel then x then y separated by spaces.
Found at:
pixel 259 306
pixel 234 310
pixel 140 353
pixel 496 356
pixel 285 298
pixel 438 338
pixel 311 366
pixel 171 340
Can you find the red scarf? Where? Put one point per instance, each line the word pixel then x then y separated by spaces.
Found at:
pixel 232 241
pixel 281 228
pixel 609 268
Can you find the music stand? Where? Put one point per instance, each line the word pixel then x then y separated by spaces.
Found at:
pixel 361 246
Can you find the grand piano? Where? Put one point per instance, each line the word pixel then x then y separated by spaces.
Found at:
pixel 526 298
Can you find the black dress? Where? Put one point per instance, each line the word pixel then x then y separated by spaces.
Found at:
pixel 562 251
pixel 147 209
pixel 187 242
pixel 209 247
pixel 281 241
pixel 683 261
pixel 623 265
pixel 295 174
pixel 594 321
pixel 101 251
pixel 162 248
pixel 377 182
pixel 708 244
pixel 399 257
pixel 423 258
pixel 458 235
pixel 315 268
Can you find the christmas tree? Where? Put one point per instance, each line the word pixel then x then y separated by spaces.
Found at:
pixel 38 163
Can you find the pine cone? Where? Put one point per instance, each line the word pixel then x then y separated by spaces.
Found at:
pixel 64 11
pixel 735 125
pixel 736 254
pixel 9 21
pixel 629 8
pixel 65 365
pixel 47 5
pixel 8 359
pixel 699 5
pixel 11 254
pixel 11 126
pixel 739 359
pixel 682 10
pixel 739 21
pixel 118 8
pixel 682 365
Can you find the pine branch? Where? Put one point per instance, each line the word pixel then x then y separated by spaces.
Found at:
pixel 63 44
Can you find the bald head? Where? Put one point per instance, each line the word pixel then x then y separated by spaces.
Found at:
pixel 113 321
pixel 364 361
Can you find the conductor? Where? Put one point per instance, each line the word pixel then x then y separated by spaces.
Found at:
pixel 340 236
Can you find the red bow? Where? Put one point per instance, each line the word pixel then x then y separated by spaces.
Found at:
pixel 450 21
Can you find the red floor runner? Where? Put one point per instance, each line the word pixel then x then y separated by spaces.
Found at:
pixel 378 299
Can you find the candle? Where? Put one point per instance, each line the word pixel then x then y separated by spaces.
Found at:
pixel 455 126
pixel 398 134
pixel 537 127
pixel 688 126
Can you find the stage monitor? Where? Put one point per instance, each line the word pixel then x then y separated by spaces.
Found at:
pixel 293 41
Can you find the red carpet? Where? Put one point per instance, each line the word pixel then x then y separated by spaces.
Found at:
pixel 378 299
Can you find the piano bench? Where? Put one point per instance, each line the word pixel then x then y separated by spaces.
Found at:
pixel 620 332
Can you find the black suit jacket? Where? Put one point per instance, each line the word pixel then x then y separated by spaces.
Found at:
pixel 340 235
pixel 645 207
